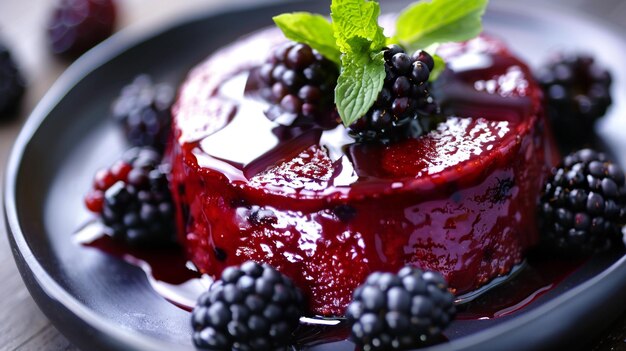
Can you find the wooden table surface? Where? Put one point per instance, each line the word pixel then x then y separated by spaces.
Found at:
pixel 22 325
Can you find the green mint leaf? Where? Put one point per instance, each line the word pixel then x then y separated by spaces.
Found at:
pixel 357 19
pixel 439 21
pixel 359 47
pixel 359 84
pixel 310 29
pixel 432 47
pixel 360 39
pixel 440 66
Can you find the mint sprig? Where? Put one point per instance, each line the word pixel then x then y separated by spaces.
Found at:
pixel 354 41
pixel 360 39
pixel 439 21
pixel 361 79
pixel 357 19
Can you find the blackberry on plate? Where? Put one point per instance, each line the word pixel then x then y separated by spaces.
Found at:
pixel 78 25
pixel 582 209
pixel 577 93
pixel 399 311
pixel 143 109
pixel 134 200
pixel 11 84
pixel 252 307
pixel 300 84
pixel 404 97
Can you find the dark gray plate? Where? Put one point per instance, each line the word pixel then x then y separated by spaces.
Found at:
pixel 100 302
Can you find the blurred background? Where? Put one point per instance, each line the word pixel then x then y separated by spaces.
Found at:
pixel 23 31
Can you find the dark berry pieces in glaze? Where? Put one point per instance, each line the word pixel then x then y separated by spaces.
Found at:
pixel 400 311
pixel 78 25
pixel 252 307
pixel 299 82
pixel 583 208
pixel 404 98
pixel 577 92
pixel 143 109
pixel 11 84
pixel 134 200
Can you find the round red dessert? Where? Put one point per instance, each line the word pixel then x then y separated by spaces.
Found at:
pixel 326 211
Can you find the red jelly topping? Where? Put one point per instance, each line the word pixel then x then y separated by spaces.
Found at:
pixel 327 211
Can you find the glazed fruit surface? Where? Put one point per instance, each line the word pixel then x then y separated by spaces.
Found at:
pixel 327 211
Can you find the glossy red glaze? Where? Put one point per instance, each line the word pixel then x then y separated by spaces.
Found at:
pixel 327 211
pixel 171 276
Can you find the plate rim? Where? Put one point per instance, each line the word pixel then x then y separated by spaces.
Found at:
pixel 36 277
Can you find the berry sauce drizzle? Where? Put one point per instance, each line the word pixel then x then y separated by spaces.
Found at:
pixel 175 278
pixel 530 280
pixel 169 272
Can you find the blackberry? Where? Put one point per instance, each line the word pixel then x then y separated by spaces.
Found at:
pixel 299 83
pixel 582 208
pixel 11 84
pixel 134 200
pixel 399 311
pixel 78 25
pixel 404 97
pixel 577 92
pixel 143 109
pixel 253 307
